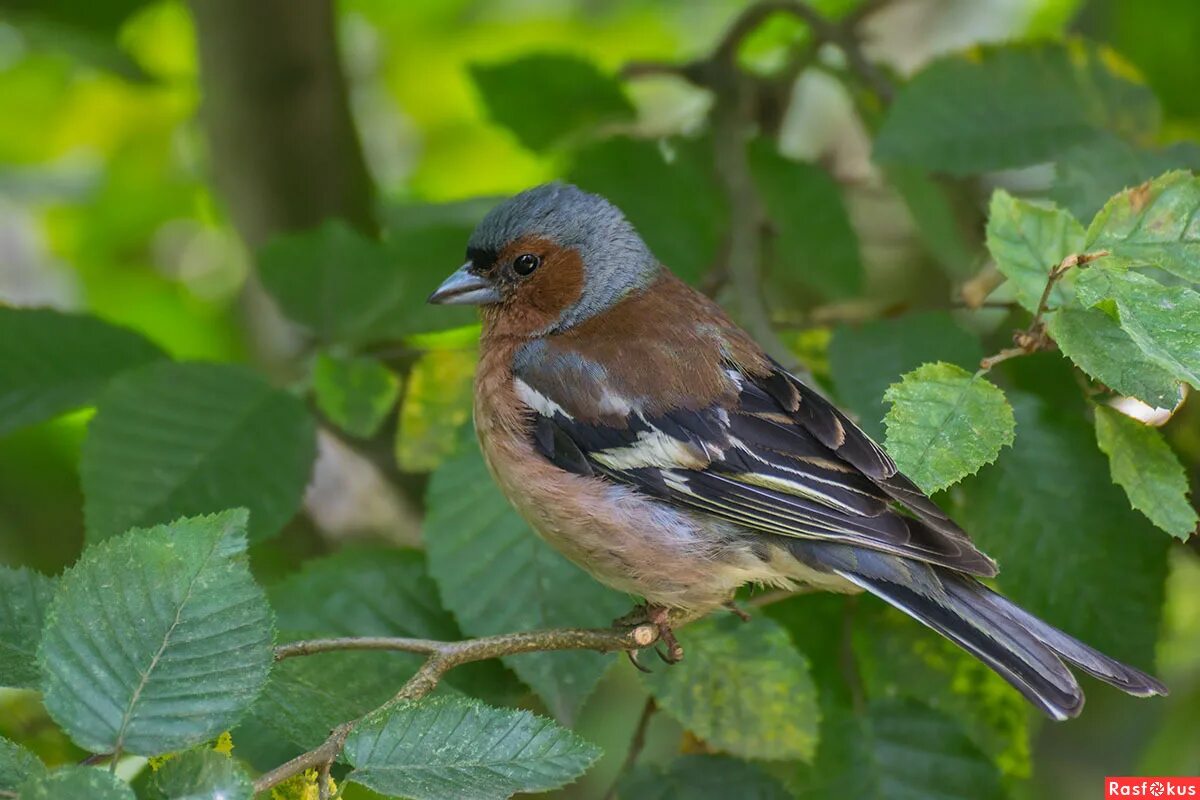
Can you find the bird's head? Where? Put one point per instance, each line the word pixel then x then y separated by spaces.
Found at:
pixel 550 258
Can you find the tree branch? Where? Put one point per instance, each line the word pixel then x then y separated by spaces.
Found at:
pixel 441 658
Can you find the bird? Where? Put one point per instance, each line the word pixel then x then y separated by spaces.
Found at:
pixel 653 442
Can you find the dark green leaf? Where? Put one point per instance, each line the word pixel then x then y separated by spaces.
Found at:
pixel 672 198
pixel 54 362
pixel 17 765
pixel 702 777
pixel 1087 175
pixel 201 775
pixel 544 98
pixel 497 576
pixel 176 439
pixel 1144 466
pixel 183 645
pixel 814 248
pixel 1156 223
pixel 458 749
pixel 24 595
pixel 355 393
pixel 1027 241
pixel 866 359
pixel 1004 106
pixel 742 688
pixel 1065 536
pixel 944 424
pixel 76 783
pixel 936 214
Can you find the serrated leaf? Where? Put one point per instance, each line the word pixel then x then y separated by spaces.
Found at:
pixel 1087 175
pixel 742 688
pixel 945 423
pixel 1065 536
pixel 669 193
pixel 457 749
pixel 497 576
pixel 76 783
pixel 17 765
pixel 183 646
pixel 1003 106
pixel 898 749
pixel 544 98
pixel 355 393
pixel 1164 321
pixel 1027 241
pixel 701 777
pixel 1143 464
pixel 55 362
pixel 1156 223
pixel 1098 346
pixel 437 404
pixel 201 775
pixel 24 595
pixel 866 359
pixel 814 248
pixel 170 440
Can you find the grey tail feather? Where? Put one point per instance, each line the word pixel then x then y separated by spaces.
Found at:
pixel 1022 649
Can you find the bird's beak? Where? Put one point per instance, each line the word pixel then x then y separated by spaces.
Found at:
pixel 465 288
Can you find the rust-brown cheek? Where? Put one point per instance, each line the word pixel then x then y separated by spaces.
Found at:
pixel 534 303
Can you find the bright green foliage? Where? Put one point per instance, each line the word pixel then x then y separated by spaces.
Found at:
pixel 1049 514
pixel 457 749
pixel 24 595
pixel 1156 223
pixel 701 777
pixel 54 362
pixel 899 748
pixel 674 203
pixel 437 404
pixel 866 359
pixel 356 394
pixel 76 783
pixel 814 248
pixel 189 614
pixel 1151 475
pixel 176 439
pixel 1164 321
pixel 945 423
pixel 995 107
pixel 16 765
pixel 1027 241
pixel 742 688
pixel 1087 175
pixel 200 774
pixel 546 97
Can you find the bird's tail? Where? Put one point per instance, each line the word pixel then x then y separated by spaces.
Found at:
pixel 1024 650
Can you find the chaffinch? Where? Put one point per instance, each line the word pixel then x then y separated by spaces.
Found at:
pixel 654 443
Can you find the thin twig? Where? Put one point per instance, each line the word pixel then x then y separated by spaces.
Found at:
pixel 636 745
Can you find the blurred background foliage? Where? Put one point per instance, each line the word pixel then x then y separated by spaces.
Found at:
pixel 280 184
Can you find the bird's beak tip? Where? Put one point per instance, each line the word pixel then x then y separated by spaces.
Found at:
pixel 464 287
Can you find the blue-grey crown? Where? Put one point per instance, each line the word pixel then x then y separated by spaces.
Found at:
pixel 615 259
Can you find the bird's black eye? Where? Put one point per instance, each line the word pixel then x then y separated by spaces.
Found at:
pixel 526 263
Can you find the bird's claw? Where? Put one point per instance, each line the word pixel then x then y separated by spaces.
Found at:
pixel 660 617
pixel 633 659
pixel 737 611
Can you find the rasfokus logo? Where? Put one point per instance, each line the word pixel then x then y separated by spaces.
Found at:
pixel 1158 786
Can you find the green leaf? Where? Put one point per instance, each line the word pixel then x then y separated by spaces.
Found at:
pixel 1099 347
pixel 742 688
pixel 702 777
pixel 1087 175
pixel 497 576
pixel 544 98
pixel 181 650
pixel 1164 321
pixel 937 215
pixel 669 193
pixel 898 749
pixel 1005 106
pixel 350 289
pixel 945 423
pixel 76 783
pixel 437 404
pixel 866 359
pixel 171 440
pixel 457 749
pixel 355 393
pixel 1065 536
pixel 55 362
pixel 1156 223
pixel 24 595
pixel 1144 466
pixel 17 765
pixel 201 775
pixel 1027 241
pixel 814 248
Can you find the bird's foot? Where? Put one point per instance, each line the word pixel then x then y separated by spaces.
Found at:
pixel 660 617
pixel 737 610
